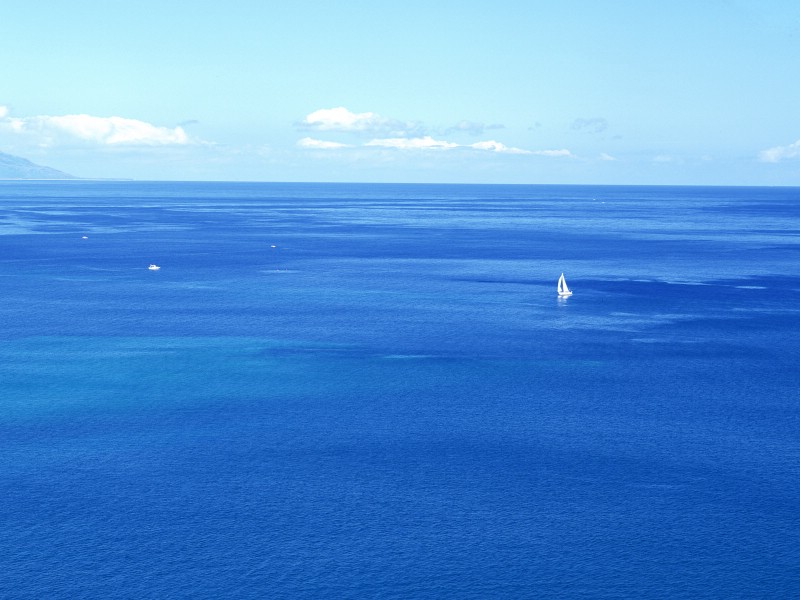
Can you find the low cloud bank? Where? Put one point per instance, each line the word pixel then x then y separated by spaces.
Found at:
pixel 46 130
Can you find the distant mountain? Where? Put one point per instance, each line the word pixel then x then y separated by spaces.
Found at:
pixel 15 167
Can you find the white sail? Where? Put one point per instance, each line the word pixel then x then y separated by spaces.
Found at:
pixel 563 290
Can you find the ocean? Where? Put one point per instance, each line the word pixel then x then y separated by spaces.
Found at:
pixel 373 391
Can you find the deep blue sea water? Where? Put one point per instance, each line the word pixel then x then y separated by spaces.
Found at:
pixel 372 391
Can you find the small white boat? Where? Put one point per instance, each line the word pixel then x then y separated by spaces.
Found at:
pixel 563 290
pixel 86 237
pixel 154 267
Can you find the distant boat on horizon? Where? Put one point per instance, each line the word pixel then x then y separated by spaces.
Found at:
pixel 154 267
pixel 563 290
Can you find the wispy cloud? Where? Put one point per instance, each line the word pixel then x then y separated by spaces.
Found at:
pixel 604 156
pixel 341 119
pixel 779 153
pixel 563 153
pixel 308 142
pixel 420 143
pixel 47 130
pixel 593 125
pixel 494 146
pixel 427 142
pixel 402 135
pixel 472 128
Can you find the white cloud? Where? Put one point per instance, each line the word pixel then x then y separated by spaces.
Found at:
pixel 420 143
pixel 604 156
pixel 472 128
pixel 390 133
pixel 563 153
pixel 498 147
pixel 429 143
pixel 308 142
pixel 107 131
pixel 403 135
pixel 779 153
pixel 341 119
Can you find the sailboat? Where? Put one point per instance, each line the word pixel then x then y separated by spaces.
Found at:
pixel 563 290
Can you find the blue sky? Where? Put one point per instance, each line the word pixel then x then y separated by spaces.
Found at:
pixel 593 91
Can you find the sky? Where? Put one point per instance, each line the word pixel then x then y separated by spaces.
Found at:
pixel 686 92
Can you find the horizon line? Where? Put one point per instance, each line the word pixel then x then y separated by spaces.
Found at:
pixel 261 181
